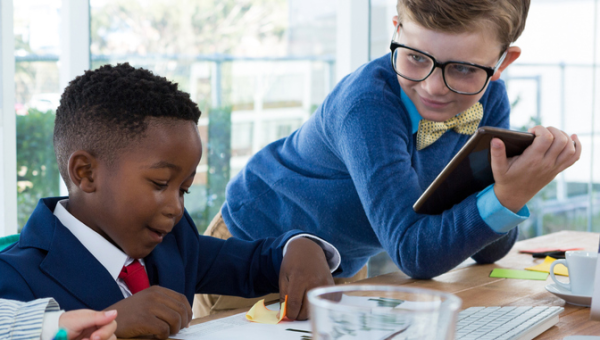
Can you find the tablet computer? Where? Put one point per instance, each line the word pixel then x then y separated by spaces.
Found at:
pixel 470 170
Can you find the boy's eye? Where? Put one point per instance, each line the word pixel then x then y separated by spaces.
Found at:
pixel 417 58
pixel 185 191
pixel 159 185
pixel 464 70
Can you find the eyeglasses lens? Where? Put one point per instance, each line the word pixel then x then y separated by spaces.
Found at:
pixel 412 64
pixel 465 78
pixel 459 77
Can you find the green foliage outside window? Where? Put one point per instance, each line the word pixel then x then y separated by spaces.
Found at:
pixel 37 170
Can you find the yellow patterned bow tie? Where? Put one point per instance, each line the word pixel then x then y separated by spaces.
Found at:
pixel 465 123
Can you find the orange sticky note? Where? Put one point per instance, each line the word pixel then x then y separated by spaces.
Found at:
pixel 544 267
pixel 260 314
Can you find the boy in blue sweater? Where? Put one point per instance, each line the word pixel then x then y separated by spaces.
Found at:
pixel 353 171
pixel 127 146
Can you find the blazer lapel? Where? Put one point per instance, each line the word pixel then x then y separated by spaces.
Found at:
pixel 165 266
pixel 78 271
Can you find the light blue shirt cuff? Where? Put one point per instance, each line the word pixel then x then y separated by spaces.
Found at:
pixel 495 215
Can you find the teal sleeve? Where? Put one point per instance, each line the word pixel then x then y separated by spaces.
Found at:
pixel 495 215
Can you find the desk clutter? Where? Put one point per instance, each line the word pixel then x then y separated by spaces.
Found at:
pixel 481 323
pixel 347 312
pixel 577 291
pixel 549 255
pixel 557 253
pixel 468 284
pixel 259 313
pixel 544 267
pixel 518 274
pixel 369 312
pixel 537 272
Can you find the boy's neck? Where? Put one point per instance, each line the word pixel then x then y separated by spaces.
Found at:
pixel 80 209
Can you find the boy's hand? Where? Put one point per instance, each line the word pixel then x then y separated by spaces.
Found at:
pixel 154 312
pixel 304 267
pixel 519 178
pixel 89 324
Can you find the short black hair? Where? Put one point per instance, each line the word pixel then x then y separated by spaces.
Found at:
pixel 106 109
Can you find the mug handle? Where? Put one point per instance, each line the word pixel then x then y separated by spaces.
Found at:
pixel 566 286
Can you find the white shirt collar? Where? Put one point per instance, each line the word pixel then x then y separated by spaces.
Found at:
pixel 111 257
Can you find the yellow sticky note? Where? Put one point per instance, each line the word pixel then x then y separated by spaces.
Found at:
pixel 559 269
pixel 260 314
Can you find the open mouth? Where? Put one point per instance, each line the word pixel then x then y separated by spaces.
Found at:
pixel 158 234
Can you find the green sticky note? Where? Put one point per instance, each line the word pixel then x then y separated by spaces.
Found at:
pixel 518 274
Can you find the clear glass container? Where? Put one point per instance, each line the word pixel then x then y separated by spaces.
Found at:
pixel 378 312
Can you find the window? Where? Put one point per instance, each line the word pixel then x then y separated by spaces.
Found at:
pixel 256 69
pixel 37 94
pixel 554 87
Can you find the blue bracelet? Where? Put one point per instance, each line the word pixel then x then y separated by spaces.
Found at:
pixel 61 335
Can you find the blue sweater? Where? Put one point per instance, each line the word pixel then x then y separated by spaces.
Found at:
pixel 351 174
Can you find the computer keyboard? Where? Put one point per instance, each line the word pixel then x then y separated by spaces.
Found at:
pixel 504 323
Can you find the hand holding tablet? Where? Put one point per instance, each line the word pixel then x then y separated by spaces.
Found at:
pixel 519 178
pixel 470 170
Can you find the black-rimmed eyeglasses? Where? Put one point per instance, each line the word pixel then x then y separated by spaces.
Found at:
pixel 459 76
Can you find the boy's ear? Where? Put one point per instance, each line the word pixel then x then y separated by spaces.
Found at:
pixel 512 53
pixel 395 20
pixel 82 170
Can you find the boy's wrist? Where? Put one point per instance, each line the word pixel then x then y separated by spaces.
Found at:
pixel 332 255
pixel 495 215
pixel 50 325
pixel 510 200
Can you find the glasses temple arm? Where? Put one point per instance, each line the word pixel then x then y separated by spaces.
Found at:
pixel 501 60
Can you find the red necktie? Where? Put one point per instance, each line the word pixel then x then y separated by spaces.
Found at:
pixel 135 277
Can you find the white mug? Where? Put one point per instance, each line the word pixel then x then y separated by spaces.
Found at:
pixel 582 268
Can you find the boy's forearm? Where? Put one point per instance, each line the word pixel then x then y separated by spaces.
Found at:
pixel 251 266
pixel 434 244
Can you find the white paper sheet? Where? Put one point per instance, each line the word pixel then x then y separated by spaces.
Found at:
pixel 238 327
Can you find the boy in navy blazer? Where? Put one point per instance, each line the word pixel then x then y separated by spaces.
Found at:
pixel 127 146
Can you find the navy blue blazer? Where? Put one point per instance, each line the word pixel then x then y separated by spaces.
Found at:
pixel 48 261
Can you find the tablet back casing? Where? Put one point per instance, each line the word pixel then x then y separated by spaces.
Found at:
pixel 470 170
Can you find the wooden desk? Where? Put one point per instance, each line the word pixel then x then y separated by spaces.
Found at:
pixel 473 285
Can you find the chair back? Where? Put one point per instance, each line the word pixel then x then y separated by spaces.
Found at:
pixel 8 240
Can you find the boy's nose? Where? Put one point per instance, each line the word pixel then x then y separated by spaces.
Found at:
pixel 434 84
pixel 174 207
